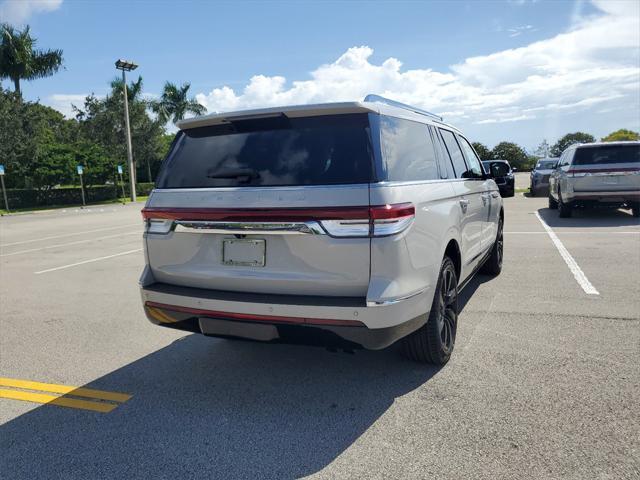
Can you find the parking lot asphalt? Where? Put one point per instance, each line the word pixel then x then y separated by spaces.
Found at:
pixel 544 381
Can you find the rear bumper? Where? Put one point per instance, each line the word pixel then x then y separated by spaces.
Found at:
pixel 608 196
pixel 540 183
pixel 331 321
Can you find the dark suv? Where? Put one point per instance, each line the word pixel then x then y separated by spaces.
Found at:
pixel 506 183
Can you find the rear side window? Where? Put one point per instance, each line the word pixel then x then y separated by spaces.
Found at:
pixel 456 154
pixel 407 151
pixel 275 151
pixel 607 155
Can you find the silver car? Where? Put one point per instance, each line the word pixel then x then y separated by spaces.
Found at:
pixel 597 174
pixel 346 225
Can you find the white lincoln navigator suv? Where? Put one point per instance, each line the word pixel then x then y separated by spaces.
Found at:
pixel 343 224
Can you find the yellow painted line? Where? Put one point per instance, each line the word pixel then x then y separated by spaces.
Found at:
pixel 56 400
pixel 65 389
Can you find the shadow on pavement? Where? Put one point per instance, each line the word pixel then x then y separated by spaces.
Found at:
pixel 471 287
pixel 206 408
pixel 590 218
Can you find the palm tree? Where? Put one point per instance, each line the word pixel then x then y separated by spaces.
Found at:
pixel 19 60
pixel 134 89
pixel 174 103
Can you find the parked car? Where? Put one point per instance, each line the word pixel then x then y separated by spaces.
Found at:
pixel 597 174
pixel 540 176
pixel 347 225
pixel 506 183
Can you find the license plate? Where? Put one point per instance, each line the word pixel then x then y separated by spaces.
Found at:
pixel 611 180
pixel 244 253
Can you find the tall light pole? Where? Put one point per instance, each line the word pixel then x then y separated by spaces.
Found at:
pixel 127 66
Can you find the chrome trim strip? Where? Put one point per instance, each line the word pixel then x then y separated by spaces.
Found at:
pixel 606 193
pixel 249 228
pixel 384 303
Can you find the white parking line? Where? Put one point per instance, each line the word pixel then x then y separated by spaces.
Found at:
pixel 88 261
pixel 70 234
pixel 70 243
pixel 578 274
pixel 581 232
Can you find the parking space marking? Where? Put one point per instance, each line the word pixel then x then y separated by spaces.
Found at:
pixel 91 260
pixel 77 242
pixel 578 274
pixel 61 395
pixel 579 232
pixel 41 239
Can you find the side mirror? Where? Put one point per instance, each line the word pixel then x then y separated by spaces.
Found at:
pixel 498 169
pixel 514 169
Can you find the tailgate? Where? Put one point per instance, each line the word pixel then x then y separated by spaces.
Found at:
pixel 606 178
pixel 607 167
pixel 272 244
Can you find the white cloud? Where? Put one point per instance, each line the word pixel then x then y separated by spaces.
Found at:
pixel 594 63
pixel 64 102
pixel 18 12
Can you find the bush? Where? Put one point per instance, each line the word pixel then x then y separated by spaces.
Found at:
pixel 29 198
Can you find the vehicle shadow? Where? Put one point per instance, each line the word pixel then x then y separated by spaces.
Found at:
pixel 590 218
pixel 209 408
pixel 471 287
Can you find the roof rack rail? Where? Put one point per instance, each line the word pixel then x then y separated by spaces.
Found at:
pixel 377 98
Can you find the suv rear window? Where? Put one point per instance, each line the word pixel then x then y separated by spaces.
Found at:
pixel 607 154
pixel 274 151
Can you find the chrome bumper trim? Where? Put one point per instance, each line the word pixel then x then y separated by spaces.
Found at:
pixel 249 228
pixel 392 301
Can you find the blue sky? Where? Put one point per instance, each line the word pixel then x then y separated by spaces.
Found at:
pixel 517 70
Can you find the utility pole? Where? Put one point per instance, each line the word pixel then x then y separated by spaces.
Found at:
pixel 127 66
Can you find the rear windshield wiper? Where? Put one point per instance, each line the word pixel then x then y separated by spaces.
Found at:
pixel 241 174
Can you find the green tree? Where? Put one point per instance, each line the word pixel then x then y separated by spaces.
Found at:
pixel 165 142
pixel 621 135
pixel 543 150
pixel 568 140
pixel 31 140
pixel 20 60
pixel 482 150
pixel 511 152
pixel 102 121
pixel 175 103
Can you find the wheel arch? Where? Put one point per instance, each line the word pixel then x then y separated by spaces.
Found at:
pixel 452 250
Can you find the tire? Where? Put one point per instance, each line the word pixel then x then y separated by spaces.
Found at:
pixel 434 341
pixel 553 203
pixel 493 265
pixel 635 210
pixel 564 208
pixel 532 191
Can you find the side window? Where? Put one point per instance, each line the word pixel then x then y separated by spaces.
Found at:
pixel 408 151
pixel 472 159
pixel 446 169
pixel 455 153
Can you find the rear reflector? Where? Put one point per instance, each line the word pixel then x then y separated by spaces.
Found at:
pixel 344 222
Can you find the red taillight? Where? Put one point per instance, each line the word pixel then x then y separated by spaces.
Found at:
pixel 381 221
pixel 391 219
pixel 357 221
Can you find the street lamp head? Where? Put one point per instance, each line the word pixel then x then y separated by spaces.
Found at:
pixel 127 65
